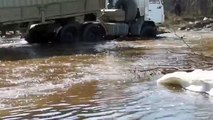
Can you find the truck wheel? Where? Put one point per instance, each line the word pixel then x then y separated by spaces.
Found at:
pixel 148 30
pixel 31 37
pixel 130 8
pixel 68 33
pixel 93 32
pixel 37 34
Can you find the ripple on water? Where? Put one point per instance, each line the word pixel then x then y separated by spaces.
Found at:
pixel 63 87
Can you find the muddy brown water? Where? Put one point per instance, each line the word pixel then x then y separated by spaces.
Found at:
pixel 107 80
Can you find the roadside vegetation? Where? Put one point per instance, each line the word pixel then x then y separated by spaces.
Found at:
pixel 182 12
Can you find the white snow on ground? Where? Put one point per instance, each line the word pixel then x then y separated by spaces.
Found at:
pixel 197 81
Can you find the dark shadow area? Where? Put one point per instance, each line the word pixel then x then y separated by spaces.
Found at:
pixel 134 38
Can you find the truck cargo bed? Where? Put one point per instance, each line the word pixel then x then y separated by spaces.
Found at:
pixel 17 11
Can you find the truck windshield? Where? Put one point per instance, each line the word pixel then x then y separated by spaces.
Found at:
pixel 154 1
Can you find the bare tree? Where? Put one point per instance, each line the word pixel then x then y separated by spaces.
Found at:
pixel 191 7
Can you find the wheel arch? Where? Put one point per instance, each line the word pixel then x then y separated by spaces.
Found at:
pixel 90 17
pixel 148 23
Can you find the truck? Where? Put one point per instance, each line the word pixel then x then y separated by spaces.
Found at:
pixel 56 21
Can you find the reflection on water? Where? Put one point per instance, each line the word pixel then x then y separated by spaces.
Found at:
pixel 111 80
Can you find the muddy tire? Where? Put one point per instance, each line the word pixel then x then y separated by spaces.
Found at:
pixel 30 38
pixel 93 33
pixel 68 34
pixel 38 34
pixel 148 30
pixel 130 8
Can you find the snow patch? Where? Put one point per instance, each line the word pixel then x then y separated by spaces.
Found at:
pixel 197 81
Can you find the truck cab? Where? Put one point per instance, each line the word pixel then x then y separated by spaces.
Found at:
pixel 152 10
pixel 142 16
pixel 155 11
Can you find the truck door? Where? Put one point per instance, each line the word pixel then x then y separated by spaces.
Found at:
pixel 156 11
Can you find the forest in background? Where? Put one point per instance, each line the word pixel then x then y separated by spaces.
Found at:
pixel 191 7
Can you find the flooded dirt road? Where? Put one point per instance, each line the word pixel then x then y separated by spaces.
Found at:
pixel 108 80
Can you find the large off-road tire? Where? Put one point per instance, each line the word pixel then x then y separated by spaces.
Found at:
pixel 130 8
pixel 69 33
pixel 38 34
pixel 93 33
pixel 42 34
pixel 148 31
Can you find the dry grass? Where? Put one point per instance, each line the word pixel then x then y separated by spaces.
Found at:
pixel 174 21
pixel 180 21
pixel 207 44
pixel 205 47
